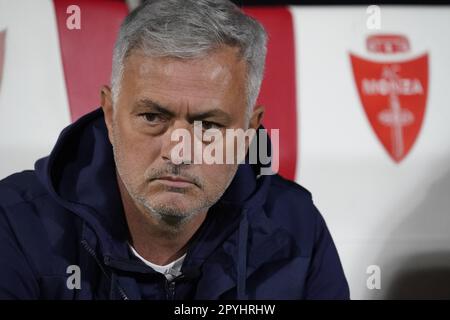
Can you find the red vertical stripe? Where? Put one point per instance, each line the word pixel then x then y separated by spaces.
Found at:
pixel 87 53
pixel 278 92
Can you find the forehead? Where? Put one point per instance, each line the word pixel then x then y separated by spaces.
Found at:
pixel 215 78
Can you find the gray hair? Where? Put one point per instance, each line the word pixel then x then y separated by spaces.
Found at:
pixel 190 29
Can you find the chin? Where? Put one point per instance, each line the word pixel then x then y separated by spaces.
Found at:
pixel 179 204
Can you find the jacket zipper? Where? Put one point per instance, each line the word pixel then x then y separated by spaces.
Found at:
pixel 170 289
pixel 94 255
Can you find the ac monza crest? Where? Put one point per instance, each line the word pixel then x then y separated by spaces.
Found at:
pixel 393 94
pixel 2 52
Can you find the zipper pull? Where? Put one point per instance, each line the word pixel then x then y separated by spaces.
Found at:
pixel 170 290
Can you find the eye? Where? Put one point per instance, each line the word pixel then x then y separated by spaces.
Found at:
pixel 211 125
pixel 152 118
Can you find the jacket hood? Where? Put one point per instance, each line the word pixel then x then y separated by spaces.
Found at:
pixel 80 175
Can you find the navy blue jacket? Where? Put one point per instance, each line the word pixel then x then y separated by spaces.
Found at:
pixel 264 239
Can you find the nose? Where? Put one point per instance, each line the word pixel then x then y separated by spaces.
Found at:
pixel 177 145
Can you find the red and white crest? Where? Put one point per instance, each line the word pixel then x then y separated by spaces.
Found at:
pixel 2 52
pixel 393 94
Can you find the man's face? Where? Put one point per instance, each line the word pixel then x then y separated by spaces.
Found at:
pixel 158 96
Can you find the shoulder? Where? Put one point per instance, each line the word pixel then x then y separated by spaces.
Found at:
pixel 31 216
pixel 35 237
pixel 24 201
pixel 20 187
pixel 290 196
pixel 280 184
pixel 290 206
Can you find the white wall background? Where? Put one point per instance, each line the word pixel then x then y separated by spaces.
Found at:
pixel 396 216
pixel 33 99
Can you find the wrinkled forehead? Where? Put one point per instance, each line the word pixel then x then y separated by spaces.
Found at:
pixel 216 78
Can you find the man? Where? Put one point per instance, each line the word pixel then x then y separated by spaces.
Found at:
pixel 112 213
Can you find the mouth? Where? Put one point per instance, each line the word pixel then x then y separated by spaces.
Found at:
pixel 175 181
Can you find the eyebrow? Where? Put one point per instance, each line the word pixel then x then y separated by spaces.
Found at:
pixel 149 104
pixel 213 113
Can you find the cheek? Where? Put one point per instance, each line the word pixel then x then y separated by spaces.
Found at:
pixel 217 176
pixel 135 151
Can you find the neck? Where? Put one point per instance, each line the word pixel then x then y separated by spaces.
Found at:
pixel 152 238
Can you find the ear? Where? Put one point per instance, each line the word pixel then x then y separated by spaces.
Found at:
pixel 107 106
pixel 255 122
pixel 256 118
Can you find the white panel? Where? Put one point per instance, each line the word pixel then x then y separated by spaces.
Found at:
pixel 393 215
pixel 33 99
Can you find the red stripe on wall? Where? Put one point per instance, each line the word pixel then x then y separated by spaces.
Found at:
pixel 87 52
pixel 278 92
